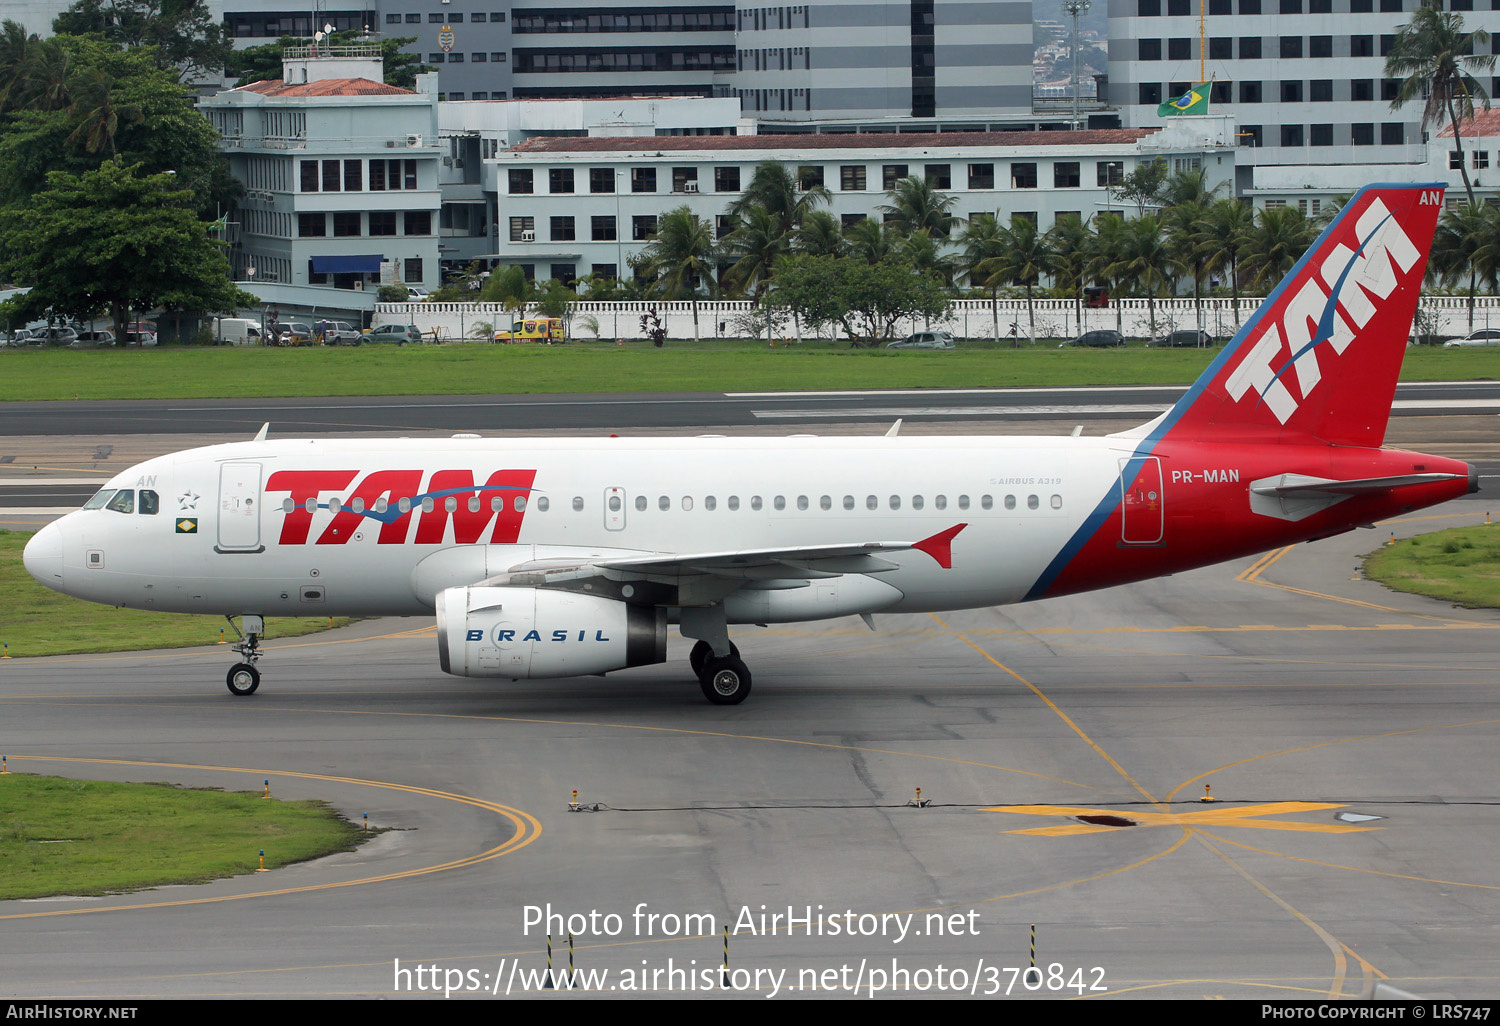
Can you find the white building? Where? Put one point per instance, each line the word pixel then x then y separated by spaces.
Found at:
pixel 340 174
pixel 568 207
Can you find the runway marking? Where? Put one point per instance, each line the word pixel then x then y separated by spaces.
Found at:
pixel 1251 575
pixel 527 829
pixel 1061 715
pixel 1217 815
pixel 1358 869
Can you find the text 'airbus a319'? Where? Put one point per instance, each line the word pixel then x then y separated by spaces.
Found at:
pixel 562 557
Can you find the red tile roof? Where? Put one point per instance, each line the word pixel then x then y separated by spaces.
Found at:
pixel 326 87
pixel 1484 122
pixel 828 141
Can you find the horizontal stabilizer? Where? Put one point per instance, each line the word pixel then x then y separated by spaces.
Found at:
pixel 1300 484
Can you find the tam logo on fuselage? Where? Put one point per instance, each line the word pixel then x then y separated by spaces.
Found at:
pixel 1312 316
pixel 394 498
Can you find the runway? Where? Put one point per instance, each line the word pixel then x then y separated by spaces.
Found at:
pixel 1347 733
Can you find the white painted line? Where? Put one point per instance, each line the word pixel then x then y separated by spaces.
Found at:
pixel 46 511
pixel 958 411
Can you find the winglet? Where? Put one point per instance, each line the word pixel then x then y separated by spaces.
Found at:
pixel 940 546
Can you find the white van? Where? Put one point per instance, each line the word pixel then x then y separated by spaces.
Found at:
pixel 239 331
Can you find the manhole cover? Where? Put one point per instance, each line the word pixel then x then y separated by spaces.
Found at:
pixel 1112 821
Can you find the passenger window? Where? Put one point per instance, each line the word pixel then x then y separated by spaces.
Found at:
pixel 428 505
pixel 1010 502
pixel 381 505
pixel 755 503
pixel 985 502
pixel 311 505
pixel 780 502
pixel 940 501
pixel 710 503
pixel 663 503
pixel 474 504
pixel 333 504
pixel 404 505
pixel 802 502
pixel 1057 502
pixel 287 505
pixel 150 502
pixel 578 503
pixel 358 504
pixel 963 502
pixel 916 502
pixel 895 502
pixel 100 498
pixel 687 503
pixel 614 504
pixel 497 503
pixel 871 502
pixel 826 502
pixel 1032 502
pixel 848 502
pixel 123 502
pixel 640 503
pixel 734 502
pixel 519 505
pixel 542 504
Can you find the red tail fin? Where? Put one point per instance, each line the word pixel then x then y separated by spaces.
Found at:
pixel 1321 356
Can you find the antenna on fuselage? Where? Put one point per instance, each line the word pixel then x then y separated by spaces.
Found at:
pixel 260 436
pixel 895 429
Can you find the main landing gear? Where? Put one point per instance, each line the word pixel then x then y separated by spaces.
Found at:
pixel 725 679
pixel 243 678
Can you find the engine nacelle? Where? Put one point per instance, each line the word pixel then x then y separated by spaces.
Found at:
pixel 526 632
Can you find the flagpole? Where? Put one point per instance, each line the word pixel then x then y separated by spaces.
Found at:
pixel 1202 47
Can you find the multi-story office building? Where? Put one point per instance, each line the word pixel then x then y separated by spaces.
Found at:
pixel 1305 79
pixel 340 173
pixel 573 206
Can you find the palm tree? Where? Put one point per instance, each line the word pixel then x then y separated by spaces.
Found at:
pixel 754 246
pixel 1274 244
pixel 17 49
pixel 1103 264
pixel 1069 241
pixel 925 255
pixel 915 205
pixel 1147 260
pixel 1437 60
pixel 680 255
pixel 774 188
pixel 870 240
pixel 1229 221
pixel 1461 233
pixel 820 235
pixel 99 115
pixel 1192 242
pixel 1023 259
pixel 981 242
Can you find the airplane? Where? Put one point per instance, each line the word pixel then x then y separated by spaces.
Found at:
pixel 547 558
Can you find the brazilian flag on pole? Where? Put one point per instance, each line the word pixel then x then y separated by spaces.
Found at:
pixel 1194 101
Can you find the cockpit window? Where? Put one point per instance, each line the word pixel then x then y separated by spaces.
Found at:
pixel 123 502
pixel 150 502
pixel 99 499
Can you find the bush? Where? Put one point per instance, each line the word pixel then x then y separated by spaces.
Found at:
pixel 393 294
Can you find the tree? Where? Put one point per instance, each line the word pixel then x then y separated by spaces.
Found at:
pixel 820 235
pixel 1230 222
pixel 870 240
pixel 866 300
pixel 680 258
pixel 916 206
pixel 115 239
pixel 1143 186
pixel 184 34
pixel 507 285
pixel 1145 259
pixel 1103 264
pixel 556 299
pixel 1456 245
pixel 776 190
pixel 1069 240
pixel 981 243
pixel 754 246
pixel 1274 244
pixel 1022 260
pixel 1436 59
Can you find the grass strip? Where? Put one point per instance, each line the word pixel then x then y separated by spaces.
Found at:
pixel 90 837
pixel 37 621
pixel 1460 565
pixel 584 367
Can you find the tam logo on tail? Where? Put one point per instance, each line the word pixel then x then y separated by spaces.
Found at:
pixel 1321 355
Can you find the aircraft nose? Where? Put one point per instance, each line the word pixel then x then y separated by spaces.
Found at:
pixel 43 556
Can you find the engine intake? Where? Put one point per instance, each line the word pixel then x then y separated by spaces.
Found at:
pixel 528 633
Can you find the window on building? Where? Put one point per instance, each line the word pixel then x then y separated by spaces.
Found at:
pixel 1389 88
pixel 346 224
pixel 414 19
pixel 393 19
pixel 683 177
pixel 1177 8
pixel 1066 174
pixel 939 176
pixel 726 179
pixel 1321 135
pixel 480 58
pixel 1455 160
pixel 565 273
pixel 309 176
pixel 1109 172
pixel 602 229
pixel 1481 159
pixel 604 271
pixel 1390 6
pixel 1149 93
pixel 852 177
pixel 847 221
pixel 382 222
pixel 520 181
pixel 354 175
pixel 1249 6
pixel 1392 133
pixel 981 176
pixel 562 231
pixel 1362 134
pixel 435 19
pixel 810 176
pixel 1291 6
pixel 1250 48
pixel 601 179
pixel 1361 46
pixel 1291 47
pixel 331 175
pixel 1250 135
pixel 1320 46
pixel 643 179
pixel 560 180
pixel 890 174
pixel 1023 176
pixel 419 222
pixel 1148 49
pixel 1291 135
pixel 1319 6
pixel 497 57
pixel 522 229
pixel 1179 49
pixel 1320 90
pixel 1291 92
pixel 436 57
pixel 1361 6
pixel 1220 48
pixel 723 225
pixel 1220 7
pixel 1148 8
pixel 1387 44
pixel 642 227
pixel 1362 89
pixel 312 225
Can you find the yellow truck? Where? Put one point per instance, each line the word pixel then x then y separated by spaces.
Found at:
pixel 532 329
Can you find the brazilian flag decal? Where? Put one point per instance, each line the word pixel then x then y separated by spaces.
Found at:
pixel 1194 101
pixel 187 525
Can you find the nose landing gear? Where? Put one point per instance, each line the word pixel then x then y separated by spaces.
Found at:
pixel 244 678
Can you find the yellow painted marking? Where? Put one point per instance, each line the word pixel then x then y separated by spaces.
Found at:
pixel 1358 869
pixel 1218 816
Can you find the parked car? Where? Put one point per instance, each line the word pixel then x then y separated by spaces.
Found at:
pixel 1187 338
pixel 417 294
pixel 63 336
pixel 140 333
pixel 92 339
pixel 1482 337
pixel 18 338
pixel 338 333
pixel 1103 338
pixel 292 333
pixel 925 340
pixel 397 333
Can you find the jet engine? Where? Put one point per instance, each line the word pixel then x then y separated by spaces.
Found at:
pixel 526 632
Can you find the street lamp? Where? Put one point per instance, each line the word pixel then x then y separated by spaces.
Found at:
pixel 1075 8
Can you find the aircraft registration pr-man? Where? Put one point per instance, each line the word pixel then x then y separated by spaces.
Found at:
pixel 561 557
